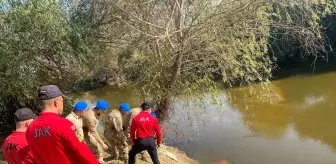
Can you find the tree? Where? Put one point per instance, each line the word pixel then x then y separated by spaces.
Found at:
pixel 164 48
pixel 172 47
pixel 298 31
pixel 39 44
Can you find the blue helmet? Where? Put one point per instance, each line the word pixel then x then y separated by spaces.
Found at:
pixel 80 106
pixel 153 114
pixel 102 105
pixel 125 107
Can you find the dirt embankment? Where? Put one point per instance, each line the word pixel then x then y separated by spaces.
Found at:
pixel 167 155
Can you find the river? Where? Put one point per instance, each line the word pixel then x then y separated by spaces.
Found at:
pixel 298 126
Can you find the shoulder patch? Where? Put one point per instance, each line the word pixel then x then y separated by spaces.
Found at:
pixel 79 136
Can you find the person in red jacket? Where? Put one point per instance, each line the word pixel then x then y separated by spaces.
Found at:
pixel 15 147
pixel 142 134
pixel 52 138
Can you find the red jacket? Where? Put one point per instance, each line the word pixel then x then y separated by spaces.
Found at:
pixel 143 126
pixel 16 149
pixel 53 141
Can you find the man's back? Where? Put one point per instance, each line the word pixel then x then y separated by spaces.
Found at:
pixel 144 125
pixel 16 149
pixel 89 118
pixel 142 134
pixel 53 141
pixel 114 121
pixel 90 122
pixel 129 117
pixel 113 127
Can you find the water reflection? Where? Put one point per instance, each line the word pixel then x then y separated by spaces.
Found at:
pixel 262 134
pixel 296 127
pixel 115 96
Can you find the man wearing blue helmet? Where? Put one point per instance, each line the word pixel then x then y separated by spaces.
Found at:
pixel 153 114
pixel 90 122
pixel 75 118
pixel 114 132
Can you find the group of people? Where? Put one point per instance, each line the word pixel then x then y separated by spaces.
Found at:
pixel 52 139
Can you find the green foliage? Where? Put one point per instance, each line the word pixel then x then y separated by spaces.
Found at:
pixel 297 28
pixel 163 48
pixel 183 46
pixel 229 44
pixel 39 44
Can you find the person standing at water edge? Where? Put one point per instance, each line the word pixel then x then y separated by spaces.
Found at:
pixel 142 134
pixel 129 117
pixel 90 123
pixel 114 132
pixel 52 138
pixel 75 118
pixel 15 147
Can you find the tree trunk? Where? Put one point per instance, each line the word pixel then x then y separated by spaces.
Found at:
pixel 164 104
pixel 163 109
pixel 178 61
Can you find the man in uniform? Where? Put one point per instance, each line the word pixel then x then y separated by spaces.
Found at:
pixel 52 139
pixel 75 118
pixel 90 123
pixel 15 147
pixel 142 134
pixel 127 123
pixel 114 132
pixel 129 117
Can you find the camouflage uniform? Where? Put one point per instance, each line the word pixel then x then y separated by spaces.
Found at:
pixel 127 123
pixel 78 122
pixel 95 143
pixel 115 135
pixel 128 119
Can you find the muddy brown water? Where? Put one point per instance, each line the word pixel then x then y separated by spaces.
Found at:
pixel 297 127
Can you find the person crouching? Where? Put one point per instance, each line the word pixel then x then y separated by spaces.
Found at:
pixel 114 132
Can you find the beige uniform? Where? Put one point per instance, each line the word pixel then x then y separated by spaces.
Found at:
pixel 90 123
pixel 78 122
pixel 128 119
pixel 115 135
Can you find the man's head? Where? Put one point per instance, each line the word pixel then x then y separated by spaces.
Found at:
pixel 124 108
pixel 23 117
pixel 80 107
pixel 52 99
pixel 101 106
pixel 146 106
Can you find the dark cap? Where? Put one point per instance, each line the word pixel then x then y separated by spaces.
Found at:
pixel 146 105
pixel 48 92
pixel 24 114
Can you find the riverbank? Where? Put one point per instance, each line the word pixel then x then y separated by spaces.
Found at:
pixel 167 155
